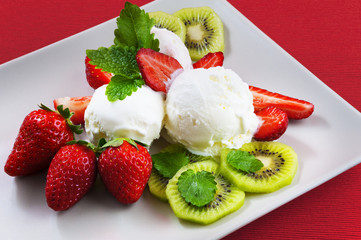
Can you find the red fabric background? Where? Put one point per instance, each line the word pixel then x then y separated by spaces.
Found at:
pixel 324 35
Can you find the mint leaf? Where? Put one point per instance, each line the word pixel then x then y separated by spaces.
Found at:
pixel 197 188
pixel 133 33
pixel 120 87
pixel 134 27
pixel 120 61
pixel 115 59
pixel 244 161
pixel 168 163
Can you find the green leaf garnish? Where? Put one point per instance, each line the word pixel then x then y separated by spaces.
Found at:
pixel 168 163
pixel 115 59
pixel 120 87
pixel 244 161
pixel 197 188
pixel 122 63
pixel 134 26
pixel 133 33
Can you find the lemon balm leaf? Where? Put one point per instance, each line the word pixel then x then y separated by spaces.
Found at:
pixel 168 163
pixel 134 26
pixel 115 59
pixel 197 188
pixel 120 87
pixel 244 161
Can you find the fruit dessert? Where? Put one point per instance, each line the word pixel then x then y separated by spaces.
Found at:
pixel 164 71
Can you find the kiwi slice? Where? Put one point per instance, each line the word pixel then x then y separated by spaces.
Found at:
pixel 204 31
pixel 170 22
pixel 227 199
pixel 279 167
pixel 157 183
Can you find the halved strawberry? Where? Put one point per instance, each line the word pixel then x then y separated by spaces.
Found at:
pixel 77 105
pixel 295 108
pixel 273 123
pixel 210 60
pixel 95 76
pixel 156 68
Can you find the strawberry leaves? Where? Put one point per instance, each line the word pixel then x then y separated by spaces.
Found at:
pixel 66 114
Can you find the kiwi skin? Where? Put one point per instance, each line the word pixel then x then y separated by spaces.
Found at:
pixel 276 173
pixel 228 197
pixel 204 31
pixel 170 22
pixel 157 185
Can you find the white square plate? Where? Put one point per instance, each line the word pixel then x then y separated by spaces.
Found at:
pixel 327 143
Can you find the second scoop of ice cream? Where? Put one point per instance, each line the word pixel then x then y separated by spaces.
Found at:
pixel 171 45
pixel 210 109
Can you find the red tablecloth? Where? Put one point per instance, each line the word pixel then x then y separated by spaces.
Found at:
pixel 324 35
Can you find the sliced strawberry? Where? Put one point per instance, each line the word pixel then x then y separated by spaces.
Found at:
pixel 77 105
pixel 210 60
pixel 95 76
pixel 295 108
pixel 156 68
pixel 273 123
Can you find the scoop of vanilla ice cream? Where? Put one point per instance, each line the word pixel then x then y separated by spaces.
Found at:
pixel 210 109
pixel 139 116
pixel 171 45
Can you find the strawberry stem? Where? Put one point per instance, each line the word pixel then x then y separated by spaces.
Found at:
pixel 66 114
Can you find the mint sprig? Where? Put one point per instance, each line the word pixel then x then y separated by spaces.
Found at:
pixel 168 163
pixel 115 59
pixel 134 26
pixel 120 87
pixel 197 188
pixel 133 33
pixel 243 161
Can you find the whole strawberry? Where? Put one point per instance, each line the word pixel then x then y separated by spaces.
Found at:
pixel 71 174
pixel 124 167
pixel 42 133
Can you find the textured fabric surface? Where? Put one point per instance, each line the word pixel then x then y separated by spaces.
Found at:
pixel 324 36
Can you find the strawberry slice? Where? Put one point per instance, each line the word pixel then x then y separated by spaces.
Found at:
pixel 295 108
pixel 95 76
pixel 210 60
pixel 77 105
pixel 156 68
pixel 273 123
